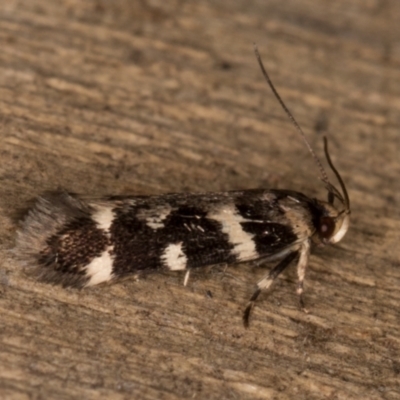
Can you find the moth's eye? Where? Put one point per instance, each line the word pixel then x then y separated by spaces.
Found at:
pixel 326 227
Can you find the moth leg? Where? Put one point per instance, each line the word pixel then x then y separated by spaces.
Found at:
pixel 301 271
pixel 186 278
pixel 265 283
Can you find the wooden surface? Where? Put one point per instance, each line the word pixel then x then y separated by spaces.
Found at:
pixel 117 97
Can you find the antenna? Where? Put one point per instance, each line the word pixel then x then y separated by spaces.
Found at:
pixel 346 199
pixel 324 176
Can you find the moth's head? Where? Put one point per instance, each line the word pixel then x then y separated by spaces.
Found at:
pixel 331 225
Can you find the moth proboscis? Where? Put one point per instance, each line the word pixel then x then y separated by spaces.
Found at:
pixel 79 242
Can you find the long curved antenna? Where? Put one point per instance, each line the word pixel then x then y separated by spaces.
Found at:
pixel 346 200
pixel 324 176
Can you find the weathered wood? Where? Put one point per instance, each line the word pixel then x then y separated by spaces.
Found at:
pixel 124 97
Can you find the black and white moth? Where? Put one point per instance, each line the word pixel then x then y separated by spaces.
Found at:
pixel 80 242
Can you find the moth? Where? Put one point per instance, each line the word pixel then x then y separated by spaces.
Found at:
pixel 75 241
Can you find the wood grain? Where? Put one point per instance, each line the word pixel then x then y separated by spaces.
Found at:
pixel 119 97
